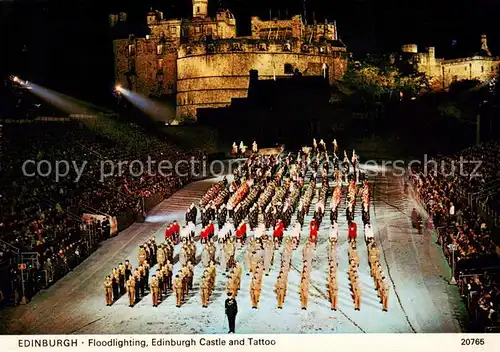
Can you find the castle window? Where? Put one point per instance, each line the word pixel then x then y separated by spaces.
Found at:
pixel 173 30
pixel 262 47
pixel 159 49
pixel 160 64
pixel 482 68
pixel 288 69
pixel 197 9
pixel 465 68
pixel 131 49
pixel 197 29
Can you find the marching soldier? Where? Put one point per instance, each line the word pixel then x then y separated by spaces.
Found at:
pixel 179 290
pixel 357 293
pixel 253 289
pixel 205 291
pixel 304 291
pixel 268 256
pixel 333 289
pixel 142 273
pixel 205 256
pixel 138 284
pixel 161 281
pixel 385 296
pixel 142 255
pixel 121 271
pixel 155 290
pixel 248 259
pixel 146 267
pixel 160 256
pixel 115 282
pixel 190 274
pixel 131 291
pixel 231 287
pixel 108 290
pixel 128 270
pixel 280 290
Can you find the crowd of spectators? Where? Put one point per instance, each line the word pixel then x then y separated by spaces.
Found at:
pixel 468 232
pixel 42 215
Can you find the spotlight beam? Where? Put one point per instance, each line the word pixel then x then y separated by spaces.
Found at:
pixel 155 110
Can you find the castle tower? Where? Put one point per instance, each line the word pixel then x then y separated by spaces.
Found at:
pixel 200 8
pixel 485 51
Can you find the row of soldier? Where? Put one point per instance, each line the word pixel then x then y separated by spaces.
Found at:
pixel 377 273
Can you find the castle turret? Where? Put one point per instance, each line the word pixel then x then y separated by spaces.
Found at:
pixel 200 8
pixel 485 51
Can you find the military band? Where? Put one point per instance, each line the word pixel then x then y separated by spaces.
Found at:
pixel 249 219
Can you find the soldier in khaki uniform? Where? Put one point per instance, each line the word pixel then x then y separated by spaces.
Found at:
pixel 160 256
pixel 280 290
pixel 141 255
pixel 356 293
pixel 169 273
pixel 205 256
pixel 131 291
pixel 179 290
pixel 108 290
pixel 255 289
pixel 204 291
pixel 385 297
pixel 333 291
pixel 248 259
pixel 304 291
pixel 138 284
pixel 190 274
pixel 231 286
pixel 155 290
pixel 161 280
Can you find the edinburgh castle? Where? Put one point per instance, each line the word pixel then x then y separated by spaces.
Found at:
pixel 202 62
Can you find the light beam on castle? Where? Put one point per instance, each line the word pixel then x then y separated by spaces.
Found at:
pixel 155 110
pixel 61 101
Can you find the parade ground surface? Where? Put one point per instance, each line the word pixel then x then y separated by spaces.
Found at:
pixel 421 300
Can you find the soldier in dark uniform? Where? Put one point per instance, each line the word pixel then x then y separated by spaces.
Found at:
pixel 334 213
pixel 222 216
pixel 204 217
pixel 115 281
pixel 121 271
pixel 128 270
pixel 231 308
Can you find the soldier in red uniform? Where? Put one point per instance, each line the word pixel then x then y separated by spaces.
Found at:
pixel 352 232
pixel 204 235
pixel 278 233
pixel 211 230
pixel 168 232
pixel 241 232
pixel 176 229
pixel 313 231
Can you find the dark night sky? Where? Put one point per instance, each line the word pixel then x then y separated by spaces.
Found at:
pixel 66 45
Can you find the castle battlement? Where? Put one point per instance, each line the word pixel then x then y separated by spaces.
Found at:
pixel 262 46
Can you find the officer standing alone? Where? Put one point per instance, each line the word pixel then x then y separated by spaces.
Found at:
pixel 231 311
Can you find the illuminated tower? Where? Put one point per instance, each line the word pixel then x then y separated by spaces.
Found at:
pixel 200 8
